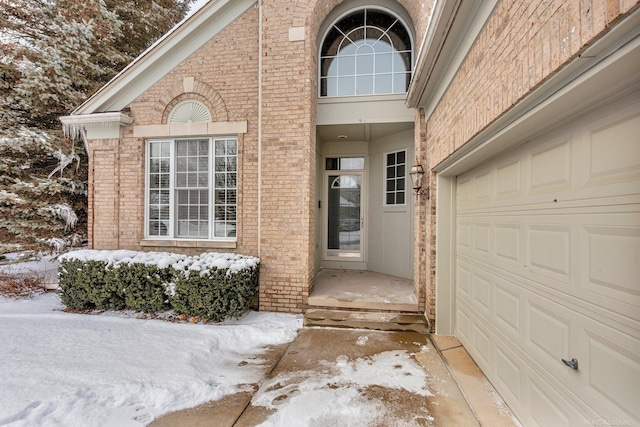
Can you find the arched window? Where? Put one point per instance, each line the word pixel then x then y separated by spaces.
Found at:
pixel 367 52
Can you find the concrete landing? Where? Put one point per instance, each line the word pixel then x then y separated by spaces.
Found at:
pixel 362 290
pixel 367 320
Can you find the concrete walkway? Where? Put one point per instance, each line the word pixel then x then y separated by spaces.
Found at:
pixel 444 404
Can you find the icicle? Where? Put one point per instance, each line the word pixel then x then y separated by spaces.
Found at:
pixel 64 161
pixel 64 212
pixel 75 131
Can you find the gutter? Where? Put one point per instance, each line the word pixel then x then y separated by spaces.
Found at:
pixel 439 26
pixel 259 127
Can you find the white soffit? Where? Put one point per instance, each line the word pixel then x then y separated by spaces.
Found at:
pixel 168 52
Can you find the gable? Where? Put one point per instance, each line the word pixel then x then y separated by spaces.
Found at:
pixel 168 52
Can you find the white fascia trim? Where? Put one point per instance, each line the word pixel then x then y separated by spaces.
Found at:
pixel 94 126
pixel 101 118
pixel 453 30
pixel 164 55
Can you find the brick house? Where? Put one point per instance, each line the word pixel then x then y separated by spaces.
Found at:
pixel 287 129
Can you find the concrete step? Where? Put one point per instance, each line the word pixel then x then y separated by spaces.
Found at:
pixel 367 320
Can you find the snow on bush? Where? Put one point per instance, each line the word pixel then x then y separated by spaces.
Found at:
pixel 204 263
pixel 213 285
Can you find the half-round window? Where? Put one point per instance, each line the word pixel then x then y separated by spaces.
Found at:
pixel 189 111
pixel 367 52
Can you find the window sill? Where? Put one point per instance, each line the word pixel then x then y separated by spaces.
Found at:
pixel 209 244
pixel 361 98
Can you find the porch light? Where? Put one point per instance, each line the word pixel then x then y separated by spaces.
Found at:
pixel 417 173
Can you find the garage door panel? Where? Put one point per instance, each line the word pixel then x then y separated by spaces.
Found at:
pixel 481 191
pixel 509 374
pixel 481 290
pixel 508 179
pixel 463 278
pixel 613 270
pixel 547 408
pixel 463 191
pixel 513 369
pixel 464 235
pixel 481 342
pixel 548 336
pixel 595 161
pixel 507 308
pixel 551 167
pixel 614 149
pixel 508 238
pixel 481 238
pixel 613 376
pixel 554 255
pixel 550 251
pixel 463 325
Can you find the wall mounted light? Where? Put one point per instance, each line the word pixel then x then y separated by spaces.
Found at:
pixel 417 173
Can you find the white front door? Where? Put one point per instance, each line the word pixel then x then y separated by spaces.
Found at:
pixel 344 218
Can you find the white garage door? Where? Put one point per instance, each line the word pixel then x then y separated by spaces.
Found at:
pixel 548 268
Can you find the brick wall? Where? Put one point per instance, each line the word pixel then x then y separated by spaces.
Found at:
pixel 225 76
pixel 289 156
pixel 225 73
pixel 522 45
pixel 103 199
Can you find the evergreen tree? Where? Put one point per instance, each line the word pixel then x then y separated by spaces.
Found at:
pixel 54 54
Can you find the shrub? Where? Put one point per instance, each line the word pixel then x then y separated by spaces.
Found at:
pixel 144 287
pixel 87 285
pixel 213 286
pixel 215 294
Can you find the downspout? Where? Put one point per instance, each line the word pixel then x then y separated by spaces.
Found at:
pixel 259 127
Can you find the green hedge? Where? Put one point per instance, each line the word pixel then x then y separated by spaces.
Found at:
pixel 212 286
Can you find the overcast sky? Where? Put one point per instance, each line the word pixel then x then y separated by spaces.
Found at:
pixel 197 5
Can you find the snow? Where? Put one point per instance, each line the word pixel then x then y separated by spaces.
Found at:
pixel 45 266
pixel 64 212
pixel 333 394
pixel 59 368
pixel 202 263
pixel 111 370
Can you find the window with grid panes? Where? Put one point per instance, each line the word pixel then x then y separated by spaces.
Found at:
pixel 192 188
pixel 367 52
pixel 395 177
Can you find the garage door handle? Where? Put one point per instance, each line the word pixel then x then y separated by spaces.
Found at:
pixel 573 363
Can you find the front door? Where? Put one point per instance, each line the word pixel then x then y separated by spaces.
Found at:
pixel 344 237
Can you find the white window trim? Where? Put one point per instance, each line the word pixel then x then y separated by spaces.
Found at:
pixel 171 239
pixel 384 177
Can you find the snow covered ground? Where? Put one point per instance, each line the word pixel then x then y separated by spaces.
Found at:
pixel 63 369
pixel 46 267
pixel 113 369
